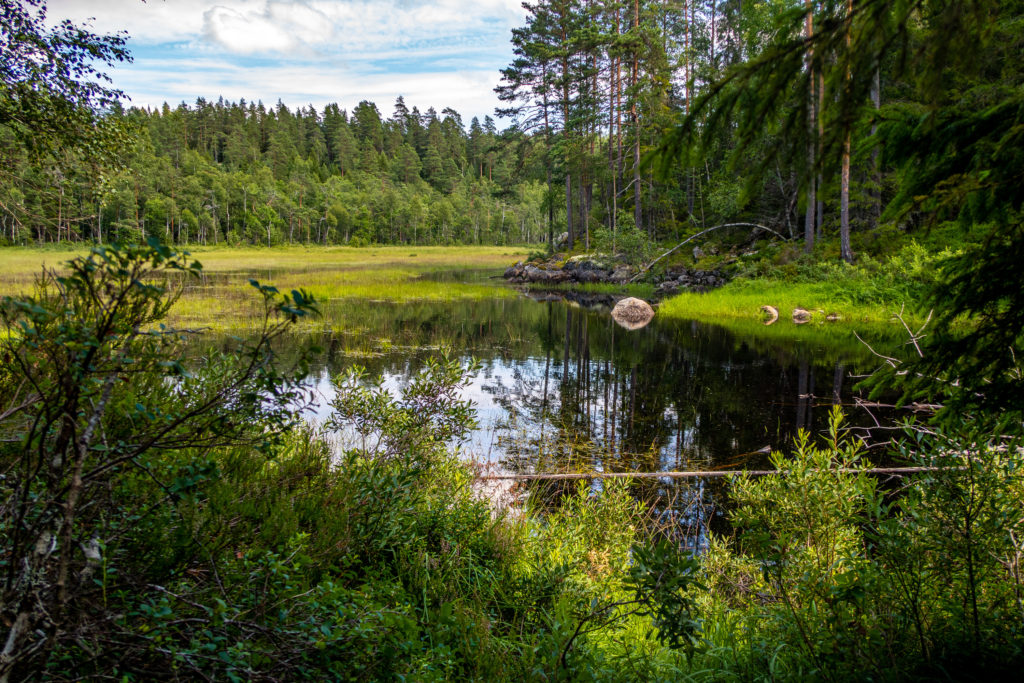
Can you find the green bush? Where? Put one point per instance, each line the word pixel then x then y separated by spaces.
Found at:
pixel 831 578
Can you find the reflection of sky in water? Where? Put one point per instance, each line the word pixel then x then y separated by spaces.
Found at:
pixel 560 387
pixel 495 378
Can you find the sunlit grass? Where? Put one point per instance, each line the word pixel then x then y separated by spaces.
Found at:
pixel 737 307
pixel 743 299
pixel 223 299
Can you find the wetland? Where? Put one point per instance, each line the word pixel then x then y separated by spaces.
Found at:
pixel 560 386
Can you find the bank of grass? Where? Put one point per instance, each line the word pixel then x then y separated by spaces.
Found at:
pixel 222 298
pixel 743 299
pixel 866 296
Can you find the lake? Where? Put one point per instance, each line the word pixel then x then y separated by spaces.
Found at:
pixel 561 387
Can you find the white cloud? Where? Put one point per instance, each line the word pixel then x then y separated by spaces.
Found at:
pixel 269 26
pixel 434 52
pixel 468 91
pixel 282 27
pixel 152 21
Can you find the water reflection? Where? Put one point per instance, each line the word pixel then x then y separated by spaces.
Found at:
pixel 563 388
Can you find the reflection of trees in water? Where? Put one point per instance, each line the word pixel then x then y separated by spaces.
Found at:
pixel 669 397
pixel 576 392
pixel 666 397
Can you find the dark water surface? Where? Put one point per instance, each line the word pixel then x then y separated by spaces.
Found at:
pixel 564 388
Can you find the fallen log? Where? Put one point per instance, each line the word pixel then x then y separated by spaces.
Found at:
pixel 894 471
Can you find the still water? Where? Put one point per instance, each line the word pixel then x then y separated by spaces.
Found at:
pixel 561 387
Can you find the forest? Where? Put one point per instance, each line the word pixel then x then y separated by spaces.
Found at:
pixel 592 94
pixel 246 353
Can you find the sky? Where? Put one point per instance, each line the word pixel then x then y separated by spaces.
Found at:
pixel 435 53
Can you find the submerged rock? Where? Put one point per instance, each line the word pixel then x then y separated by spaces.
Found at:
pixel 632 313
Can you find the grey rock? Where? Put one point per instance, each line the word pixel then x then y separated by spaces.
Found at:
pixel 621 274
pixel 514 272
pixel 632 313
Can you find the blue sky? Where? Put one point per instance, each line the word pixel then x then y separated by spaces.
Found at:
pixel 444 53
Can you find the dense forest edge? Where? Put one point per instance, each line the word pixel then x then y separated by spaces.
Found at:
pixel 166 515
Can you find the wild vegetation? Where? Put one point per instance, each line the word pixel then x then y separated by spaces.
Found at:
pixel 161 519
pixel 165 512
pixel 218 299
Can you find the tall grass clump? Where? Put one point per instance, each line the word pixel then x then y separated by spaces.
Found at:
pixel 868 292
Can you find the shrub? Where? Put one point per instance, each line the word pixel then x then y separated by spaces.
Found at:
pixel 98 391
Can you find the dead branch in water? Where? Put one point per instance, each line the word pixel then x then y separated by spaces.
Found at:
pixel 896 471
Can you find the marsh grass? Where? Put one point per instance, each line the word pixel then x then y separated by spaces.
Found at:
pixel 742 299
pixel 837 337
pixel 222 298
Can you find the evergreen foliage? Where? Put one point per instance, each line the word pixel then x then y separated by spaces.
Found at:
pixel 242 173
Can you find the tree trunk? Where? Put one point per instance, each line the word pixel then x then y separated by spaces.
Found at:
pixel 844 190
pixel 568 208
pixel 811 141
pixel 821 152
pixel 637 208
pixel 876 100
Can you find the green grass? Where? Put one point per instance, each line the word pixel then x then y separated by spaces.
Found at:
pixel 737 307
pixel 223 299
pixel 743 299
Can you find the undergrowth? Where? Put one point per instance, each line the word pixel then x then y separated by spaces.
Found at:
pixel 276 555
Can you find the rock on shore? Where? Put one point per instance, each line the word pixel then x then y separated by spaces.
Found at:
pixel 595 268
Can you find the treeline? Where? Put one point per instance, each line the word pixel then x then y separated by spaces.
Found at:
pixel 632 122
pixel 594 88
pixel 603 83
pixel 668 116
pixel 241 172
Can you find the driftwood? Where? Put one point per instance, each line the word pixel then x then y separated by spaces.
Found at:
pixel 894 471
pixel 699 234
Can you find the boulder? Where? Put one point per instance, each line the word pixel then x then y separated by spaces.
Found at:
pixel 532 273
pixel 589 262
pixel 514 272
pixel 621 274
pixel 771 314
pixel 668 287
pixel 698 253
pixel 632 313
pixel 801 316
pixel 588 276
